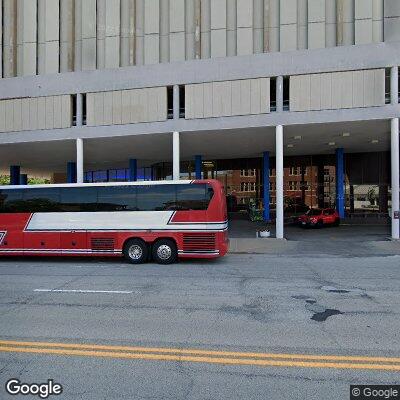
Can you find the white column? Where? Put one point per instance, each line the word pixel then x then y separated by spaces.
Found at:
pixel 139 37
pixel 395 175
pixel 175 156
pixel 79 109
pixel 175 101
pixel 279 93
pixel 79 160
pixel 125 33
pixel 279 182
pixel 394 85
pixel 205 29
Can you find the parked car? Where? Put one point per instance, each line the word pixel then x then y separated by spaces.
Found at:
pixel 317 217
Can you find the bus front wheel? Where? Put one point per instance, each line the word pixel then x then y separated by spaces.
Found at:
pixel 165 251
pixel 136 251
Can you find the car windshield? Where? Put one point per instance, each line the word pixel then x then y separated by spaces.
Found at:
pixel 316 211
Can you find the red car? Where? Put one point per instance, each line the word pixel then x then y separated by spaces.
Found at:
pixel 317 217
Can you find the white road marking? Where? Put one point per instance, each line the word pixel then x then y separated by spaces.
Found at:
pixel 83 291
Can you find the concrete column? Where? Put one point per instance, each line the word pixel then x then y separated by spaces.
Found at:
pixel 133 170
pixel 79 160
pixel 175 102
pixel 66 35
pixel 279 93
pixel 330 23
pixel 139 37
pixel 395 176
pixel 164 31
pixel 197 30
pixel 9 38
pixel 15 172
pixel 71 172
pixel 279 182
pixel 265 172
pixel 125 33
pixel 198 166
pixel 340 182
pixel 394 85
pixel 205 29
pixel 377 21
pixel 189 29
pixel 258 26
pixel 302 24
pixel 100 34
pixel 175 156
pixel 23 179
pixel 231 28
pixel 79 110
pixel 345 22
pixel 78 35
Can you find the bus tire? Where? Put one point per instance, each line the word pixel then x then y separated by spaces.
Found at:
pixel 136 251
pixel 165 251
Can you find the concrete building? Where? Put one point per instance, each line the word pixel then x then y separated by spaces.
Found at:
pixel 155 89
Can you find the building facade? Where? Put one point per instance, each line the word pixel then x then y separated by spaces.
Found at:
pixel 284 101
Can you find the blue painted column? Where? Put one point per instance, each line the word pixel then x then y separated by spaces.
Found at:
pixel 265 173
pixel 23 179
pixel 133 170
pixel 198 166
pixel 71 172
pixel 15 172
pixel 340 182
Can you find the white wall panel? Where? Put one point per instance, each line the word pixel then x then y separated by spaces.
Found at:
pixel 41 112
pixel 117 107
pixel 33 113
pixel 57 112
pixel 2 116
pixel 358 89
pixel 9 106
pixel 208 100
pixel 49 110
pixel 17 124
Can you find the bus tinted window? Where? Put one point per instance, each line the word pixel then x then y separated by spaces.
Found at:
pixel 10 201
pixel 156 198
pixel 40 200
pixel 78 199
pixel 192 197
pixel 117 198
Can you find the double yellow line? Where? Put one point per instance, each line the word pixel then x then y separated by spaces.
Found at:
pixel 203 356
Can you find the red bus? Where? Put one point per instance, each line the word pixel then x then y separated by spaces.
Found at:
pixel 163 220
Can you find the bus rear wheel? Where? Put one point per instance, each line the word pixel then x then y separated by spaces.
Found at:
pixel 136 251
pixel 165 251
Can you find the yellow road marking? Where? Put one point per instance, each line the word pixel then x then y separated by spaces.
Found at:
pixel 201 359
pixel 95 347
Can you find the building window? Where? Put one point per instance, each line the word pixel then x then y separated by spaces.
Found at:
pixel 247 186
pixel 170 102
pixel 387 86
pixel 182 101
pixel 293 185
pixel 294 171
pixel 286 94
pixel 271 186
pixel 84 109
pixel 247 172
pixel 272 94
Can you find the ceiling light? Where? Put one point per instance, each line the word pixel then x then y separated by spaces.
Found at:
pixel 331 143
pixel 289 145
pixel 374 141
pixel 346 134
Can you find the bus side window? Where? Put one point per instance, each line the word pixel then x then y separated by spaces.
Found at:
pixel 78 199
pixel 156 197
pixel 10 201
pixel 192 197
pixel 116 198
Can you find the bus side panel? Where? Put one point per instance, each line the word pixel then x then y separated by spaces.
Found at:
pixel 11 233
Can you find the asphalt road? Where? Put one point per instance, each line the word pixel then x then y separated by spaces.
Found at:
pixel 238 304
